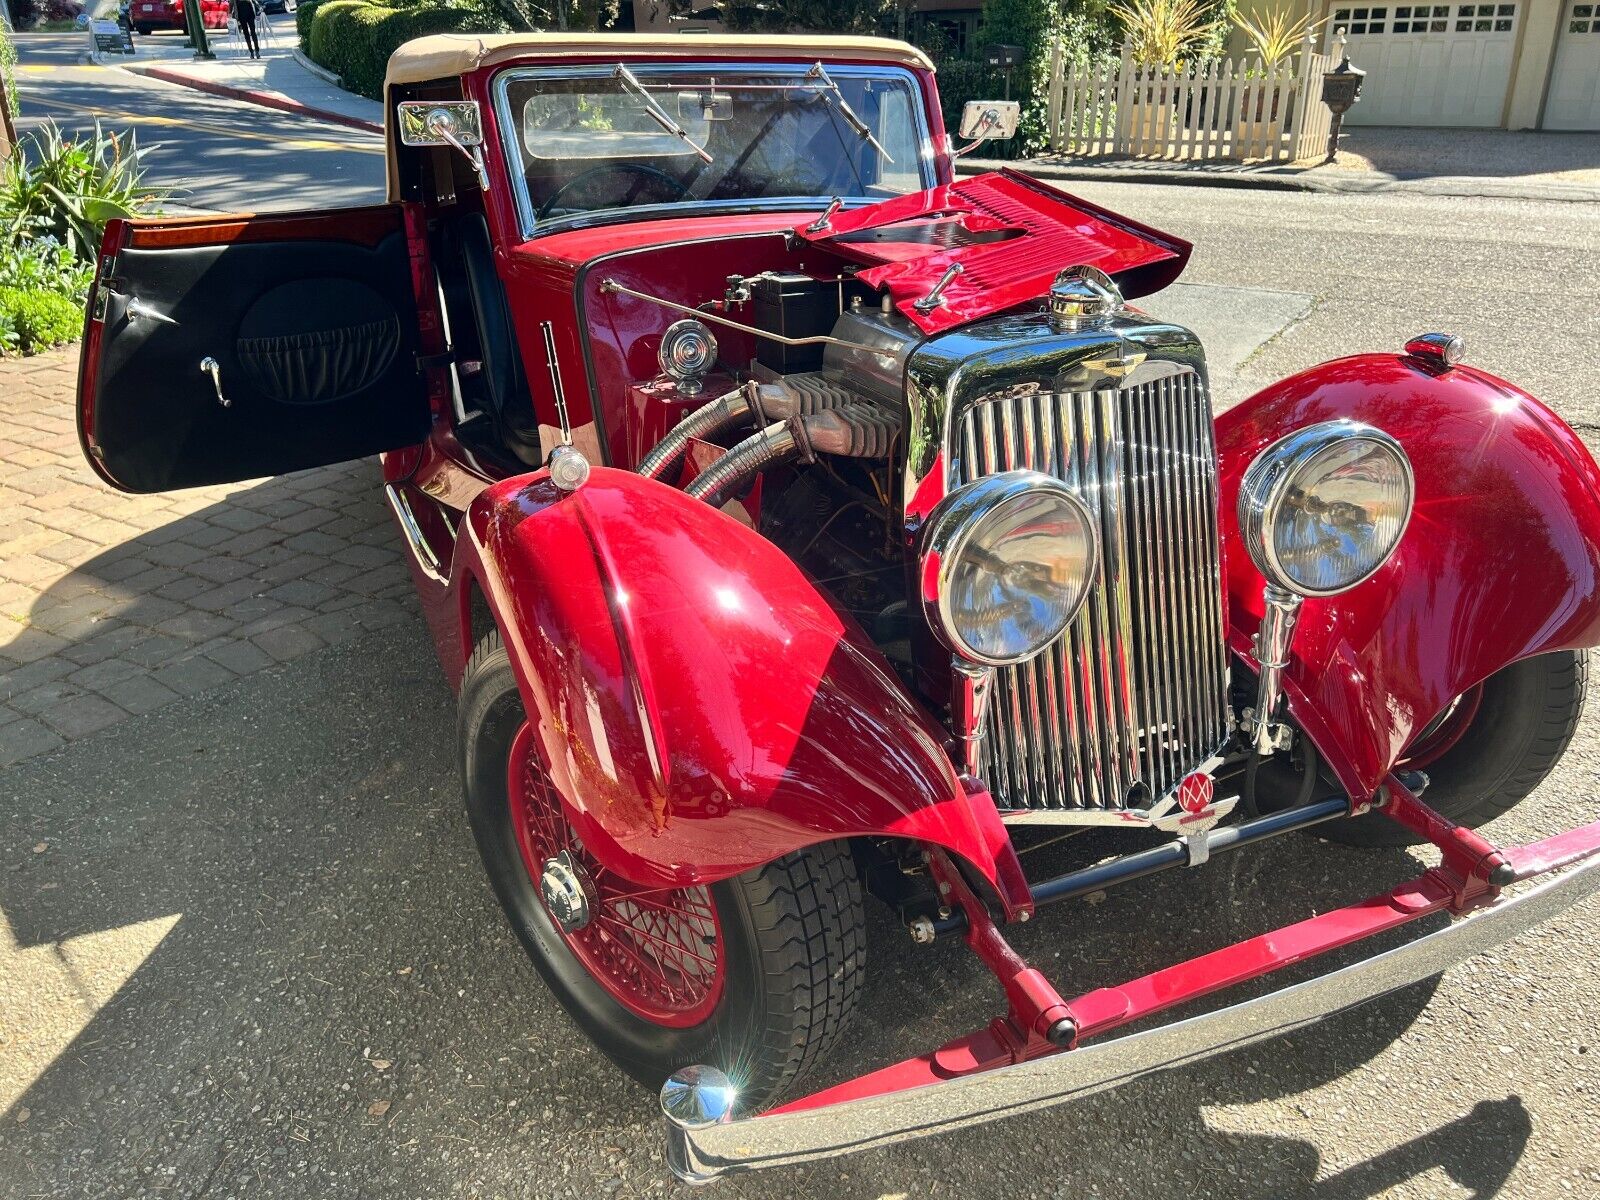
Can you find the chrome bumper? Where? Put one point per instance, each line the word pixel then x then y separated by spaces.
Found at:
pixel 706 1145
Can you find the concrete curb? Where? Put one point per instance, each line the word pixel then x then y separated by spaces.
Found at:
pixel 264 99
pixel 317 69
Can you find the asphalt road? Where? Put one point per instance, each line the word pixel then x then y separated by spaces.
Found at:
pixel 290 977
pixel 212 152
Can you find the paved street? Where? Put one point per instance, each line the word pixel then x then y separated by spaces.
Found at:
pixel 215 153
pixel 246 948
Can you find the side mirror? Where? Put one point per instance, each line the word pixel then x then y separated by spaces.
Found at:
pixel 454 123
pixel 441 123
pixel 989 120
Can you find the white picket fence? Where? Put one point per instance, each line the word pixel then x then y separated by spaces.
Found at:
pixel 1233 109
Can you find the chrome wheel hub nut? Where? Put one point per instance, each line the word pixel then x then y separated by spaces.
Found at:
pixel 567 892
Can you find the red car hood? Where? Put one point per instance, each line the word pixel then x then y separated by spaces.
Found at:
pixel 1011 235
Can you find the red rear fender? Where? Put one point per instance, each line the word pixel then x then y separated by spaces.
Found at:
pixel 702 707
pixel 1501 560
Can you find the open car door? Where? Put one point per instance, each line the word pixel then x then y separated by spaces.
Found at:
pixel 225 348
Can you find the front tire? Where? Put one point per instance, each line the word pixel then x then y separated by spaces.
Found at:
pixel 1486 753
pixel 757 975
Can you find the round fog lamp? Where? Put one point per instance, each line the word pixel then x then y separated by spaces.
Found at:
pixel 1323 508
pixel 1008 561
pixel 687 351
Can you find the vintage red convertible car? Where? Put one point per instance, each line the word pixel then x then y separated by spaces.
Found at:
pixel 799 522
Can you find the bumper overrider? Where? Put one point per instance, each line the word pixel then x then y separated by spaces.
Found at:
pixel 994 1072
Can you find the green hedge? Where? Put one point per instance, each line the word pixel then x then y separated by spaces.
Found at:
pixel 32 320
pixel 302 21
pixel 355 38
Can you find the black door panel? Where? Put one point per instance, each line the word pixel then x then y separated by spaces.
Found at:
pixel 313 336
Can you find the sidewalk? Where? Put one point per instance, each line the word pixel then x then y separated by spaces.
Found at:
pixel 1494 163
pixel 281 78
pixel 114 605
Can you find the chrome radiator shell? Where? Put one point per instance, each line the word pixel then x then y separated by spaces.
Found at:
pixel 1106 723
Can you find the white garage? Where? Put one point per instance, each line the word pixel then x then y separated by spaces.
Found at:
pixel 1573 101
pixel 1431 64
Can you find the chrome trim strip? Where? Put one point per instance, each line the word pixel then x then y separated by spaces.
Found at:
pixel 699 1154
pixel 427 560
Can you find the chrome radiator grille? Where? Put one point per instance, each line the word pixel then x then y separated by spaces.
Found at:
pixel 1133 697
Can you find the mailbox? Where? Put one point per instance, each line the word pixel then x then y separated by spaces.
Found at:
pixel 1341 88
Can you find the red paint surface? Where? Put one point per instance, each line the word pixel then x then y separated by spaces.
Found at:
pixel 1042 230
pixel 702 706
pixel 1501 560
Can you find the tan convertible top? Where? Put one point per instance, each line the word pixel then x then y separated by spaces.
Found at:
pixel 448 54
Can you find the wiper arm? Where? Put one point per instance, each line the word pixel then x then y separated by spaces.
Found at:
pixel 656 113
pixel 838 101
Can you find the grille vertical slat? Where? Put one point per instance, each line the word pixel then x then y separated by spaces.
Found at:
pixel 1133 696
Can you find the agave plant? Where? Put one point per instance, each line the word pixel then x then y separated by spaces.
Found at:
pixel 68 188
pixel 1276 33
pixel 1160 32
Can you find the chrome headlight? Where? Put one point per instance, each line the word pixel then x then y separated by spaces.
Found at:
pixel 688 351
pixel 1006 564
pixel 1323 508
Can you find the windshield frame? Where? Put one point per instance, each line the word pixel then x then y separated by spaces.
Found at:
pixel 510 132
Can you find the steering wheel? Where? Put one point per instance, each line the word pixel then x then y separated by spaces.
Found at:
pixel 629 168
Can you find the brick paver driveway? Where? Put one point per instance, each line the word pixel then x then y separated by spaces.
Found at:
pixel 115 605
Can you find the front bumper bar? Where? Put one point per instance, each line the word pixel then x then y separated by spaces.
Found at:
pixel 901 1103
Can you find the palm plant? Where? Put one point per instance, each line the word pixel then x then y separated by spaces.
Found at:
pixel 1276 33
pixel 1160 32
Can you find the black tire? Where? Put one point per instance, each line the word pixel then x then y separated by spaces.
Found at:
pixel 794 931
pixel 1524 722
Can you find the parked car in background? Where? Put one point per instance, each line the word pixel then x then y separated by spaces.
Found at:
pixel 150 15
pixel 800 525
pixel 279 6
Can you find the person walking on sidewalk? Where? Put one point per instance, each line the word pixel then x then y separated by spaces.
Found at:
pixel 244 12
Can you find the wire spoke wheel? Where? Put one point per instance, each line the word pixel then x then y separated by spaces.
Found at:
pixel 657 952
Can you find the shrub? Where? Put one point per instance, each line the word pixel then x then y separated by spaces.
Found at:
pixel 36 319
pixel 355 38
pixel 8 71
pixel 302 21
pixel 45 264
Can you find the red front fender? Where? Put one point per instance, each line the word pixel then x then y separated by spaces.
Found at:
pixel 702 707
pixel 1501 560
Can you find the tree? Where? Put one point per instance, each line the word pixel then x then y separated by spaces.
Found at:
pixel 807 16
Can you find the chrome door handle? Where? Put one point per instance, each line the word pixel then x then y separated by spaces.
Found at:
pixel 214 369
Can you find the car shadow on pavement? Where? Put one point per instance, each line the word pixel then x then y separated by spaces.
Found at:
pixel 253 952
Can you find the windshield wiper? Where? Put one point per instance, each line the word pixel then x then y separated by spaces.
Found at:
pixel 837 101
pixel 656 113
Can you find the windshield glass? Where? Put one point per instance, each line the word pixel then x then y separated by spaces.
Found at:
pixel 586 139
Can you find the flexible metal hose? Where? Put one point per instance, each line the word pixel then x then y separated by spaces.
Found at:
pixel 853 431
pixel 805 394
pixel 704 422
pixel 718 482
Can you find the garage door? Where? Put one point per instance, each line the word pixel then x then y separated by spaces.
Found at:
pixel 1574 99
pixel 1430 64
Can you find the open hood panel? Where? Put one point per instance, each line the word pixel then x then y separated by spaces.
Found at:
pixel 1009 233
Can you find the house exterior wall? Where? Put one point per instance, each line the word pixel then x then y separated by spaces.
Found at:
pixel 1539 26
